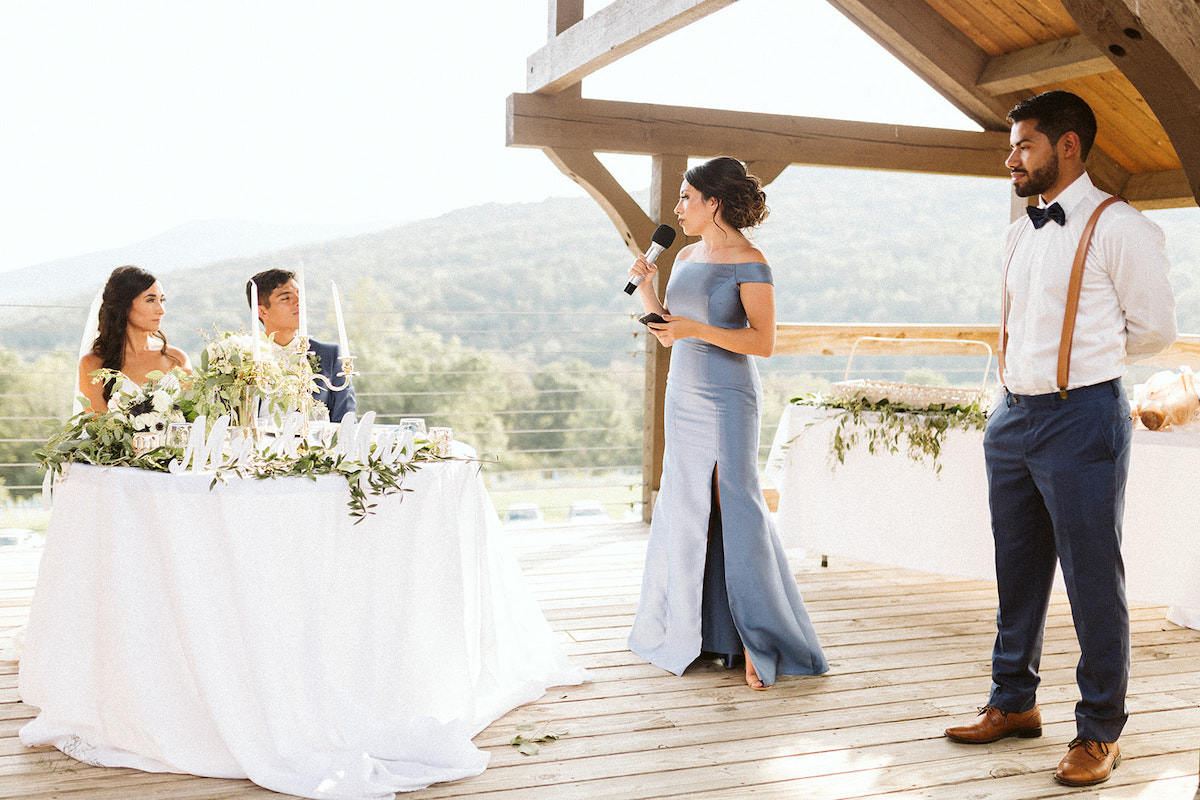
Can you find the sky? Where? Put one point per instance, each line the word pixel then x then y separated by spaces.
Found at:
pixel 125 118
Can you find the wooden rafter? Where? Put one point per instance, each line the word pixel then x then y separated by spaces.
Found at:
pixel 1043 64
pixel 985 88
pixel 1166 189
pixel 582 166
pixel 935 50
pixel 1154 42
pixel 614 31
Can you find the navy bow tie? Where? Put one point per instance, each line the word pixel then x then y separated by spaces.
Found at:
pixel 1041 216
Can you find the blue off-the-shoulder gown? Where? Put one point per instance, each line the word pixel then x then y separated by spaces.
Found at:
pixel 714 585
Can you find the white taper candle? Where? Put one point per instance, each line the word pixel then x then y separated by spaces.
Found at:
pixel 254 320
pixel 341 323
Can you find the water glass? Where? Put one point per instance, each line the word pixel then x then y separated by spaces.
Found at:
pixel 144 442
pixel 320 434
pixel 178 434
pixel 441 438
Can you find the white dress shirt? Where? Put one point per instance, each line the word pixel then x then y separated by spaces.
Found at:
pixel 1126 306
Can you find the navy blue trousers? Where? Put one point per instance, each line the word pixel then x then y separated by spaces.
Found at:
pixel 1056 487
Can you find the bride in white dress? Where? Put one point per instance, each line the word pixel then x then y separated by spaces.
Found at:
pixel 129 337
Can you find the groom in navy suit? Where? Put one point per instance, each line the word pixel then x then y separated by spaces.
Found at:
pixel 279 310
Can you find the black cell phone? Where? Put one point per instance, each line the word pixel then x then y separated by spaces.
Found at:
pixel 651 317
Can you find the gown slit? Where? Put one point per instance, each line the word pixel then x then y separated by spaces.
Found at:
pixel 718 629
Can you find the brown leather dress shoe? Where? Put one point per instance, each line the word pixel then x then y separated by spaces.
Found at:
pixel 993 724
pixel 1088 762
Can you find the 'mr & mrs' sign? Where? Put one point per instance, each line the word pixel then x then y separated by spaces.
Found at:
pixel 209 451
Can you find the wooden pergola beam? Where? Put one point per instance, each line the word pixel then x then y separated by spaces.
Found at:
pixel 646 129
pixel 614 31
pixel 664 191
pixel 582 166
pixel 1154 43
pixel 1043 64
pixel 1168 188
pixel 569 130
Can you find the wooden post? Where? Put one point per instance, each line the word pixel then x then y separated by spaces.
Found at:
pixel 666 174
pixel 562 15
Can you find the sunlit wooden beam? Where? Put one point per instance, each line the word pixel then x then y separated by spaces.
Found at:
pixel 646 129
pixel 1153 43
pixel 930 46
pixel 1043 64
pixel 614 31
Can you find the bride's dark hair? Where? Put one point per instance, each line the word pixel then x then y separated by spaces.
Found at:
pixel 123 287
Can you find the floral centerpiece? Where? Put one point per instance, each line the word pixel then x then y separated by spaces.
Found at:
pixel 230 381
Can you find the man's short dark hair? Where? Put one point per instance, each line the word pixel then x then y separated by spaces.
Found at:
pixel 268 281
pixel 1056 113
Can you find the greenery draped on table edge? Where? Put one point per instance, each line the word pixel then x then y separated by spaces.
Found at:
pixel 888 426
pixel 106 440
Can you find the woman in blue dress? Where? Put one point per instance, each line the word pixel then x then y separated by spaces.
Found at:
pixel 717 579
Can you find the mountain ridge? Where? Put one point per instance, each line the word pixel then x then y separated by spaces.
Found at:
pixel 844 246
pixel 185 246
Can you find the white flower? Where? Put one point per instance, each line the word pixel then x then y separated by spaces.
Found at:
pixel 149 422
pixel 162 401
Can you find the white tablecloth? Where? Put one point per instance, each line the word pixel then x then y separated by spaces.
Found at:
pixel 252 630
pixel 888 509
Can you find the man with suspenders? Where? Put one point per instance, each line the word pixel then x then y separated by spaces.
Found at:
pixel 1085 289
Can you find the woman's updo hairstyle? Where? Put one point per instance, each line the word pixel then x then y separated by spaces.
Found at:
pixel 742 200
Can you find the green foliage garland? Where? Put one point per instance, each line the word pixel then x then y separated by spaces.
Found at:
pixel 106 440
pixel 889 427
pixel 101 442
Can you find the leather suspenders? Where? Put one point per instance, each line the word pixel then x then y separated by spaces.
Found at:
pixel 1072 309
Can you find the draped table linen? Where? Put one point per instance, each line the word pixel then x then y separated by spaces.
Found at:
pixel 253 630
pixel 885 508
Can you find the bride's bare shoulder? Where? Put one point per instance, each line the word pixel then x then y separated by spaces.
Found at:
pixel 90 363
pixel 179 358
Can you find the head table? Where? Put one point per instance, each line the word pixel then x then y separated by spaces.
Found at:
pixel 886 508
pixel 253 630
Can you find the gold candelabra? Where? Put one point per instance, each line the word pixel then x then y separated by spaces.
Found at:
pixel 300 345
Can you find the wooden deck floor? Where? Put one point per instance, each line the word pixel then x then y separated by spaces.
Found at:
pixel 909 655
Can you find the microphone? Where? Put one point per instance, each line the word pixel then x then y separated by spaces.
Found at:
pixel 663 236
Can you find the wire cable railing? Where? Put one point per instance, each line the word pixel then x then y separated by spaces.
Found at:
pixel 552 402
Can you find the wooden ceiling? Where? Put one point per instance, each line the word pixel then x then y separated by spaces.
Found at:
pixel 1136 62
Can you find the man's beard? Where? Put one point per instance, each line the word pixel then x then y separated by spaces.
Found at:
pixel 1039 180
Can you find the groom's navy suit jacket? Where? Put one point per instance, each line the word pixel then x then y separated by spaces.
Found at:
pixel 338 403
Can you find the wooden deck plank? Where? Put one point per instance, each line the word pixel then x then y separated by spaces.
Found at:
pixel 909 654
